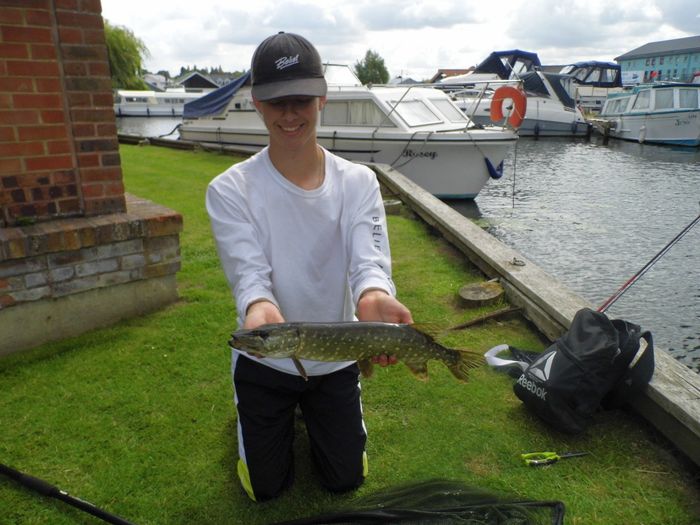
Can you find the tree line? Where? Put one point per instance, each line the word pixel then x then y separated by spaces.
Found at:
pixel 127 54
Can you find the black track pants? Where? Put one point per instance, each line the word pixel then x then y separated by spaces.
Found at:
pixel 266 400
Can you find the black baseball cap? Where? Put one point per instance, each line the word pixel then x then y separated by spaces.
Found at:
pixel 286 65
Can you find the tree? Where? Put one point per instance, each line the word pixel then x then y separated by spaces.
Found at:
pixel 126 53
pixel 372 70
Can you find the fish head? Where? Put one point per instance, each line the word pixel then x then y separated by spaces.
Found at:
pixel 274 341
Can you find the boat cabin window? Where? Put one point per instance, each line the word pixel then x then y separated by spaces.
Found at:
pixel 567 69
pixel 594 76
pixel 452 112
pixel 354 113
pixel 415 113
pixel 664 99
pixel 608 75
pixel 688 98
pixel 581 74
pixel 136 99
pixel 520 66
pixel 642 101
pixel 616 106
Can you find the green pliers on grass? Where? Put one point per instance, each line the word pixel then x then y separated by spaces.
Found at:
pixel 538 459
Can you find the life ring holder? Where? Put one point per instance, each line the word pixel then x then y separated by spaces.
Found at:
pixel 519 105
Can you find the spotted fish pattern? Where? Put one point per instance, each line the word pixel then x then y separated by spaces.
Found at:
pixel 360 341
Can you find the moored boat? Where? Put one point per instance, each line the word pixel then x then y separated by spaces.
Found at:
pixel 592 82
pixel 169 103
pixel 550 110
pixel 659 113
pixel 417 130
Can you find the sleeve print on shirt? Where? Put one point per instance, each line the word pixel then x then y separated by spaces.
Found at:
pixel 378 235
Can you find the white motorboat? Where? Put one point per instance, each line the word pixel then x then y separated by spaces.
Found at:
pixel 592 82
pixel 168 103
pixel 416 130
pixel 550 112
pixel 660 113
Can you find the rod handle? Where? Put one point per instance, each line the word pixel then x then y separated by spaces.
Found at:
pixel 39 485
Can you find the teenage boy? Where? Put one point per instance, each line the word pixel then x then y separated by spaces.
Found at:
pixel 301 234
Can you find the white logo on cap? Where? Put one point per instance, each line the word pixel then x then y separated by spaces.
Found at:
pixel 285 62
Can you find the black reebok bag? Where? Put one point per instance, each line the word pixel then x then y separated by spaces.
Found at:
pixel 594 364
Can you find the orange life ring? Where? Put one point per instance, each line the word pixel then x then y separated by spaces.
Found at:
pixel 519 105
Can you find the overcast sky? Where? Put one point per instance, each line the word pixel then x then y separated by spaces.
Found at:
pixel 414 37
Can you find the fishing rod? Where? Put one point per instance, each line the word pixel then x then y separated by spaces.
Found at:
pixel 46 489
pixel 614 297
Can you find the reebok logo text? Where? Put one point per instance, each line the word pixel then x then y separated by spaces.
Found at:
pixel 532 387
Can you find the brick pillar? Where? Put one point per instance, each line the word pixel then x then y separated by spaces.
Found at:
pixel 58 146
pixel 76 253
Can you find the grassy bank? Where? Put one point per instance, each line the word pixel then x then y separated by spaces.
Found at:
pixel 138 418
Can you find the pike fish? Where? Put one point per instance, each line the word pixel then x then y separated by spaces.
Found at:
pixel 347 341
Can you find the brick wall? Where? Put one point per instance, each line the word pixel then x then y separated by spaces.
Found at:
pixel 58 147
pixel 68 256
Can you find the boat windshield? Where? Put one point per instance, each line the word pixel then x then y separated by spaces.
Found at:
pixel 642 102
pixel 615 106
pixel 452 112
pixel 415 113
pixel 340 75
pixel 519 67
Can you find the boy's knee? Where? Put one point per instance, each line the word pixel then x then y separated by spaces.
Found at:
pixel 346 480
pixel 261 490
pixel 343 485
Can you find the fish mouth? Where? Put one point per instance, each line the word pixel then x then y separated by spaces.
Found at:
pixel 247 341
pixel 241 343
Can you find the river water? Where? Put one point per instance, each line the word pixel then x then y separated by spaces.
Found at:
pixel 593 215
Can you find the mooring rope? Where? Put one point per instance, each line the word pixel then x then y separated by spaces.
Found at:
pixel 173 131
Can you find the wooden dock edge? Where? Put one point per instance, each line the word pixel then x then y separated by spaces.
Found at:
pixel 672 399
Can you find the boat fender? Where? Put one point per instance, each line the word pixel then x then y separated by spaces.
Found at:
pixel 496 172
pixel 642 134
pixel 519 102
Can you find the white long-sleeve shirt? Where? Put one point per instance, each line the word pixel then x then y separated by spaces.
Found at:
pixel 310 252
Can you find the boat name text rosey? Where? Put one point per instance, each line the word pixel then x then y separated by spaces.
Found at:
pixel 424 154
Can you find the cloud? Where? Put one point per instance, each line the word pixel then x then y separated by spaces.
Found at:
pixel 391 14
pixel 683 15
pixel 413 36
pixel 595 29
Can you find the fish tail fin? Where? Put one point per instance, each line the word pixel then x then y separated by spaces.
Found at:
pixel 468 359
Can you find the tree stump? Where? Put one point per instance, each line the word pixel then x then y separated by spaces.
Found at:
pixel 481 294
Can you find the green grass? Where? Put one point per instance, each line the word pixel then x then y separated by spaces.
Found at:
pixel 139 419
